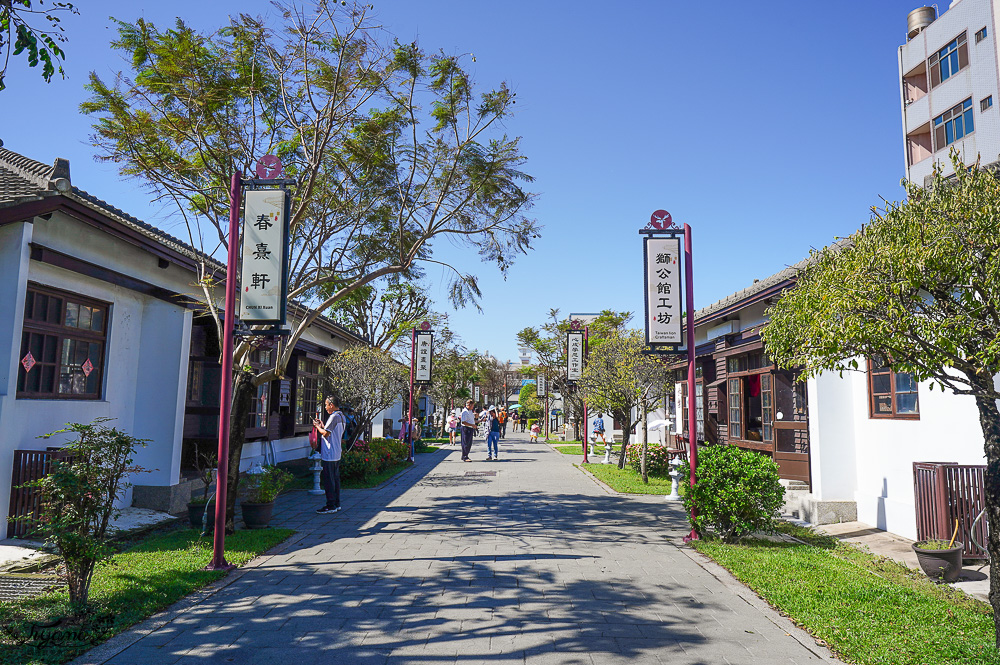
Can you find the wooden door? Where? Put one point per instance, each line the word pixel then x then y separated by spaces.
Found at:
pixel 791 427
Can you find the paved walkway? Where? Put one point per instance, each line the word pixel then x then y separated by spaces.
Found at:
pixel 523 561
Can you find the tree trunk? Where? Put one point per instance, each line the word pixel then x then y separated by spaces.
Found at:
pixel 243 393
pixel 989 420
pixel 623 417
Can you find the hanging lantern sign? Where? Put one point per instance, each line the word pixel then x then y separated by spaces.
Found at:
pixel 663 290
pixel 424 343
pixel 574 356
pixel 264 273
pixel 540 386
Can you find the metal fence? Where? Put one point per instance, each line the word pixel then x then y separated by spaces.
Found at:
pixel 29 465
pixel 945 492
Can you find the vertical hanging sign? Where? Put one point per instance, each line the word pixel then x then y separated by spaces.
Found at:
pixel 425 357
pixel 477 394
pixel 663 290
pixel 264 273
pixel 574 356
pixel 540 386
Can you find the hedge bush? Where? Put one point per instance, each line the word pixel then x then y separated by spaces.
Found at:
pixel 657 459
pixel 736 492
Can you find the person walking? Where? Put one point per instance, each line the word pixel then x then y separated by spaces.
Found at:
pixel 332 433
pixel 514 416
pixel 599 428
pixel 502 416
pixel 452 429
pixel 493 438
pixel 468 428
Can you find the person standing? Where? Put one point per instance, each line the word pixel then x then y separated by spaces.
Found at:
pixel 514 418
pixel 493 438
pixel 332 433
pixel 502 416
pixel 468 419
pixel 452 429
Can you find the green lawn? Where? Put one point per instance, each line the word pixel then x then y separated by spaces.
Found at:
pixel 571 449
pixel 868 609
pixel 127 588
pixel 626 480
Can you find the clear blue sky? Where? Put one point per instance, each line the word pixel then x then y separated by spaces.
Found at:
pixel 770 128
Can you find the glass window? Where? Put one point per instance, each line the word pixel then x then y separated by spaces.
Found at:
pixel 307 390
pixel 947 62
pixel 891 394
pixel 981 35
pixel 62 346
pixel 953 124
pixel 985 103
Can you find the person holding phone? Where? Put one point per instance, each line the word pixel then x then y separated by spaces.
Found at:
pixel 332 434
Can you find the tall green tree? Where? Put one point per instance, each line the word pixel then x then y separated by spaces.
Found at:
pixel 919 289
pixel 454 370
pixel 393 150
pixel 620 380
pixel 36 31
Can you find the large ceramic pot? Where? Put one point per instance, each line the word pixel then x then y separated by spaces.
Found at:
pixel 257 515
pixel 943 564
pixel 196 514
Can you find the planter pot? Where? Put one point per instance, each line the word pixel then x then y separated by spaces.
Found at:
pixel 196 515
pixel 257 515
pixel 942 565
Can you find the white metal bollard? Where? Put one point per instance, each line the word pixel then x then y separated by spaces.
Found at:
pixel 316 469
pixel 674 473
pixel 607 453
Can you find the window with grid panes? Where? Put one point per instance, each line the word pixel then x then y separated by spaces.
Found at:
pixel 953 124
pixel 62 346
pixel 307 390
pixel 260 359
pixel 891 394
pixel 947 62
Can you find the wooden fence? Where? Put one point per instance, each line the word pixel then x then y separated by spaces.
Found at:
pixel 29 465
pixel 945 492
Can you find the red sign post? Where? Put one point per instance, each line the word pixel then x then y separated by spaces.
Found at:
pixel 661 302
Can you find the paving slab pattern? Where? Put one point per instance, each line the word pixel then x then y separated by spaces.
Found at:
pixel 535 565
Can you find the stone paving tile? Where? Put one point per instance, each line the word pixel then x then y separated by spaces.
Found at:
pixel 537 565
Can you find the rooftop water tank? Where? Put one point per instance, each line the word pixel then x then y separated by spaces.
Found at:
pixel 919 19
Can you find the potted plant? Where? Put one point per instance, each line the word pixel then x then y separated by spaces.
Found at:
pixel 205 467
pixel 258 492
pixel 940 559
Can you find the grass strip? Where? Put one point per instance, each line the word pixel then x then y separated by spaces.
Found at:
pixel 377 479
pixel 627 481
pixel 868 609
pixel 429 449
pixel 127 588
pixel 570 450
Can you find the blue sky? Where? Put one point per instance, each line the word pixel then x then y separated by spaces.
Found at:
pixel 769 128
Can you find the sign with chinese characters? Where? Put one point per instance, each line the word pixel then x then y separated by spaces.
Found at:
pixel 540 386
pixel 423 344
pixel 663 290
pixel 574 356
pixel 285 392
pixel 477 394
pixel 264 274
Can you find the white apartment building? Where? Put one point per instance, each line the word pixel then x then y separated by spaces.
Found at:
pixel 948 86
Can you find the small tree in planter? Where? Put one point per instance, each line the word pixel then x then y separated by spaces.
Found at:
pixel 258 492
pixel 78 498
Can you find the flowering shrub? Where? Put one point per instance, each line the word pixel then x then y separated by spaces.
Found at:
pixel 657 459
pixel 366 459
pixel 264 487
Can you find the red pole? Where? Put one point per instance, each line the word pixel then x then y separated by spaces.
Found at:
pixel 692 401
pixel 226 394
pixel 586 423
pixel 413 358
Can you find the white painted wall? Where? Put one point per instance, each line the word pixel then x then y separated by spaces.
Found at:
pixel 978 80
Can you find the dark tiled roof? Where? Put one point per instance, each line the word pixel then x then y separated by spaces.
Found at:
pixel 788 273
pixel 23 180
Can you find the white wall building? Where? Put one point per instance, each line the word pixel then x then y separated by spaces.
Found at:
pixel 948 86
pixel 100 316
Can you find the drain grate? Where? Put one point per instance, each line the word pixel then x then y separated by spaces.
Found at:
pixel 18 586
pixel 480 473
